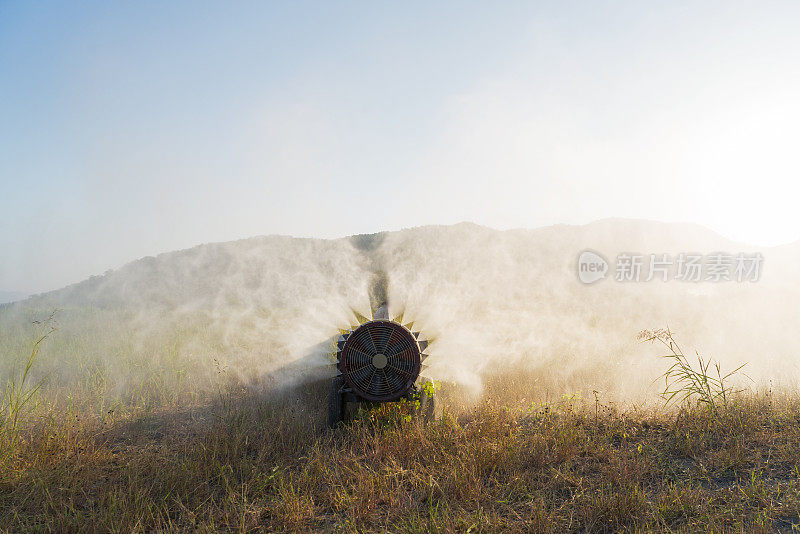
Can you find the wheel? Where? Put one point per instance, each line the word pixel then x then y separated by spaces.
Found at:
pixel 336 402
pixel 427 403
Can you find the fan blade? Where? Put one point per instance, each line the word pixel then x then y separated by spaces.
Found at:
pixel 395 381
pixel 372 342
pixel 359 376
pixel 384 335
pixel 400 370
pixel 359 356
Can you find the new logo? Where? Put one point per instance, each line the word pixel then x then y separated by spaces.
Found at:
pixel 591 267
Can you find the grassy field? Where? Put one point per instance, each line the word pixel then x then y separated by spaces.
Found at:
pixel 154 457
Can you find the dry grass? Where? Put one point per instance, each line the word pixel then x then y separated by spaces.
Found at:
pixel 248 462
pixel 134 443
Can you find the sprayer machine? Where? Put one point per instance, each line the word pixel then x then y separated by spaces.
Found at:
pixel 379 361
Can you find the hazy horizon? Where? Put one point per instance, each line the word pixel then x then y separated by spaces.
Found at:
pixel 159 127
pixel 7 295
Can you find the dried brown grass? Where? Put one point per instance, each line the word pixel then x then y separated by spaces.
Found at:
pixel 249 461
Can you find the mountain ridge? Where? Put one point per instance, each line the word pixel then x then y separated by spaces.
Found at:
pixel 611 225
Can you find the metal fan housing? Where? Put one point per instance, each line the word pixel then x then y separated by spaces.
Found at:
pixel 380 360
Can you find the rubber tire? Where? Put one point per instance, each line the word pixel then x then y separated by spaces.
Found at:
pixel 336 403
pixel 427 405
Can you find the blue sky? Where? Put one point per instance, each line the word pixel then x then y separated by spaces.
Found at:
pixel 129 129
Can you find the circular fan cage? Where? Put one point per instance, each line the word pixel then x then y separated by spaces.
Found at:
pixel 380 360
